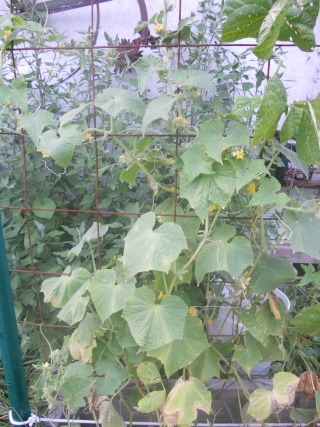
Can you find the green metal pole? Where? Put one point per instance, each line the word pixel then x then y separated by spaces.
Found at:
pixel 10 345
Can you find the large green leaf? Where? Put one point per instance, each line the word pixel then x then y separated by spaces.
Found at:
pixel 34 124
pixel 107 297
pixel 303 232
pixel 154 325
pixel 268 194
pixel 196 162
pixel 83 340
pixel 299 23
pixel 158 108
pixel 145 68
pixel 192 79
pixel 260 406
pixel 114 100
pixel 147 249
pixel 59 290
pixel 270 29
pixel 307 321
pixel 269 273
pixel 208 189
pixel 244 18
pixel 183 401
pixel 246 170
pixel 224 252
pixel 182 352
pixel 91 234
pixel 60 146
pixel 273 104
pixel 206 365
pixel 70 115
pixel 215 139
pixel 308 143
pixel 75 309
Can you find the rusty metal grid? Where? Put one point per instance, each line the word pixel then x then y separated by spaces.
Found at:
pixel 36 275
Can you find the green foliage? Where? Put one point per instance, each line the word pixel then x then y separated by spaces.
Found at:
pixel 140 293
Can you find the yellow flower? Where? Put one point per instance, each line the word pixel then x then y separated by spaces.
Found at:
pixel 88 136
pixel 192 311
pixel 208 293
pixel 7 33
pixel 45 154
pixel 158 28
pixel 251 188
pixel 239 154
pixel 209 322
pixel 185 122
pixel 214 207
pixel 161 295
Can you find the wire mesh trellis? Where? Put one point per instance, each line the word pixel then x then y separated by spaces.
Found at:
pixel 30 272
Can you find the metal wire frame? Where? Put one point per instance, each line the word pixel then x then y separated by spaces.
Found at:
pixel 97 212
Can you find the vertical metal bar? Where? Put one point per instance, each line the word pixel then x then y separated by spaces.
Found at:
pixel 10 345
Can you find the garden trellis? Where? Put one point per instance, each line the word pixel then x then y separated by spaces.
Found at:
pixel 86 173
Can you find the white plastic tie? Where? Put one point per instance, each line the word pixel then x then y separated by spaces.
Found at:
pixel 33 419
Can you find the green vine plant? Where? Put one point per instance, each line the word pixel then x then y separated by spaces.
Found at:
pixel 214 214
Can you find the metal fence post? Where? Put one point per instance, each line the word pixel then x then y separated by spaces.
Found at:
pixel 10 345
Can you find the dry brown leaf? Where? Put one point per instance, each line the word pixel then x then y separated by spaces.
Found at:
pixel 309 383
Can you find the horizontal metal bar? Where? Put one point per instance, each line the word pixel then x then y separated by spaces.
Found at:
pixel 56 6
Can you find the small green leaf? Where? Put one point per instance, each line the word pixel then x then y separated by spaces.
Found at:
pixel 307 321
pixel 184 400
pixel 247 357
pixel 146 67
pixel 147 249
pixel 299 24
pixel 304 416
pixel 107 297
pixel 292 157
pixel 308 144
pixel 196 162
pixel 303 232
pixel 34 124
pixel 59 290
pixel 270 29
pixel 311 275
pixel 74 390
pixel 151 402
pixel 206 365
pixel 260 404
pixel 114 100
pixel 60 146
pixel 244 18
pixel 192 79
pixel 44 203
pixel 148 373
pixel 212 136
pixel 224 252
pixel 154 325
pixel 247 170
pixel 111 375
pixel 158 108
pixel 268 194
pixel 75 309
pixel 269 273
pixel 108 416
pixel 83 339
pixel 273 104
pixel 205 190
pixel 91 234
pixel 70 115
pixel 129 175
pixel 181 352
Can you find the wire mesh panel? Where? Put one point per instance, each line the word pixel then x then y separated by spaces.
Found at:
pixel 124 207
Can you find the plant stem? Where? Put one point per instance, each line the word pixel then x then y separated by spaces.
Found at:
pixel 92 257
